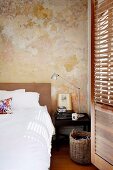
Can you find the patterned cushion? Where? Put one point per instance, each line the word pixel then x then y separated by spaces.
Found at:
pixel 5 106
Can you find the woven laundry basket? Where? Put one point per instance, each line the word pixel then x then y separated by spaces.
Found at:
pixel 80 146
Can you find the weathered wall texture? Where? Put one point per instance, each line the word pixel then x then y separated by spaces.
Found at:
pixel 39 37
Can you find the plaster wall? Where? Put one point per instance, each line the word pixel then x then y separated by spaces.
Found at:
pixel 38 38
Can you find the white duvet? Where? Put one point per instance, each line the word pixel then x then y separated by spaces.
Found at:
pixel 25 139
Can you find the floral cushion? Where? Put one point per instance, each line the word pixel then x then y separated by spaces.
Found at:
pixel 5 106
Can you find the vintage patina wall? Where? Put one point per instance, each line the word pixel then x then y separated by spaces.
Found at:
pixel 39 37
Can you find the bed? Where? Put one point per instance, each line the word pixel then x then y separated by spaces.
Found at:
pixel 26 130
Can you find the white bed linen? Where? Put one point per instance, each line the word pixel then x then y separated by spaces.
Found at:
pixel 25 139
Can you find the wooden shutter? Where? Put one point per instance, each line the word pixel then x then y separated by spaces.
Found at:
pixel 104 52
pixel 102 84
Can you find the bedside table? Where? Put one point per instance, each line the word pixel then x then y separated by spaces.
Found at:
pixel 67 121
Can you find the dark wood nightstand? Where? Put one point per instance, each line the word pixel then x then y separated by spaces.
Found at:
pixel 67 121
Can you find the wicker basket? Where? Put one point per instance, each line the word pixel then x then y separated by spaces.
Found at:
pixel 80 149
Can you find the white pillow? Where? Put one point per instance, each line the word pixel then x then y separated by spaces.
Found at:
pixel 7 94
pixel 25 100
pixel 36 94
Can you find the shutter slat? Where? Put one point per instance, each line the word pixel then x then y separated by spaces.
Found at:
pixel 101 22
pixel 103 69
pixel 102 57
pixel 103 74
pixel 104 52
pixel 104 97
pixel 103 30
pixel 103 79
pixel 98 43
pixel 103 37
pixel 100 65
pixel 103 88
pixel 101 61
pixel 103 92
pixel 104 82
pixel 101 47
pixel 104 101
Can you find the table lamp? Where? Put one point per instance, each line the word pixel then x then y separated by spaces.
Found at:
pixel 55 76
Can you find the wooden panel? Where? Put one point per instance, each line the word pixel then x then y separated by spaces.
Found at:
pixel 104 119
pixel 43 88
pixel 104 135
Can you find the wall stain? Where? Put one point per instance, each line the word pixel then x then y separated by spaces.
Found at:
pixel 71 63
pixel 41 12
pixel 30 23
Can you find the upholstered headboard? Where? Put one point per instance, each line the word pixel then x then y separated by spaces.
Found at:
pixel 43 88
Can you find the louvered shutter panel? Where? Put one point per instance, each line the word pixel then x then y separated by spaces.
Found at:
pixel 103 66
pixel 102 84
